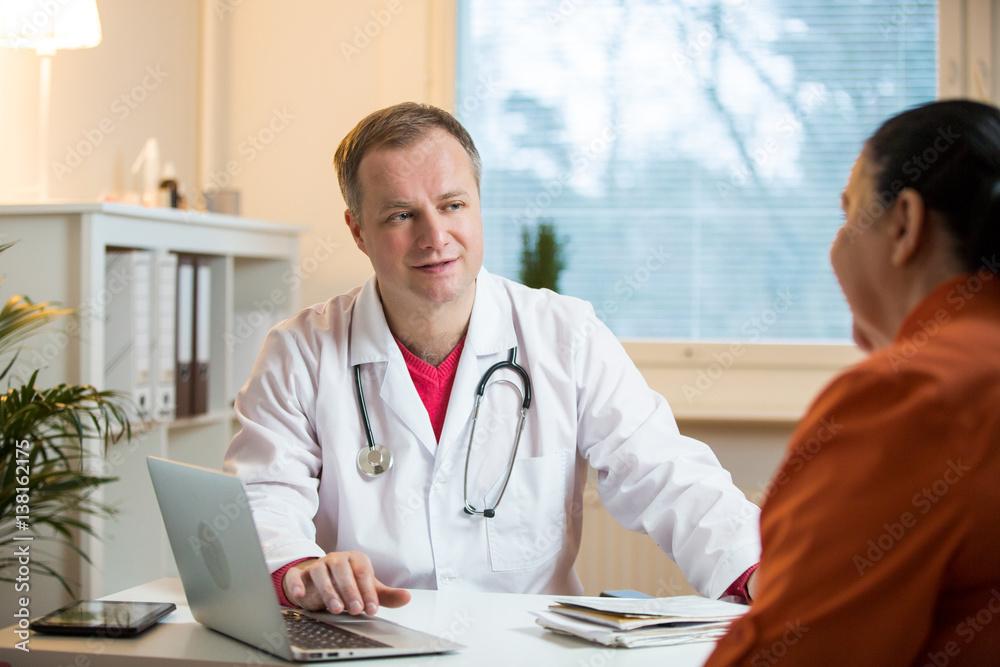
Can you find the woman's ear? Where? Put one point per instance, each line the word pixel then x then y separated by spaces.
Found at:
pixel 908 226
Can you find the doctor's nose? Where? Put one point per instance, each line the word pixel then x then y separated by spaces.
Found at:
pixel 434 231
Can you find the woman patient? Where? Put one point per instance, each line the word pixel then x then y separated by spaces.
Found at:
pixel 881 530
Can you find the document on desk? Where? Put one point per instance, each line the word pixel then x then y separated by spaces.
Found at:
pixel 633 623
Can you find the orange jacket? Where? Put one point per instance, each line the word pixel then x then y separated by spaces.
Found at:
pixel 881 529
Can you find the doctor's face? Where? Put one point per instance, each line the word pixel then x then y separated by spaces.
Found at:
pixel 420 223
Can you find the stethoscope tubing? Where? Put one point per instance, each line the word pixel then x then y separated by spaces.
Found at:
pixel 364 410
pixel 512 364
pixel 375 459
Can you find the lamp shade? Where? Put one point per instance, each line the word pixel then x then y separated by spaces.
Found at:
pixel 47 25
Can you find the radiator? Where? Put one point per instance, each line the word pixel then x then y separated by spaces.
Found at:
pixel 613 558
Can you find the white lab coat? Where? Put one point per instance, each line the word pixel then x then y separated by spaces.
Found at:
pixel 301 432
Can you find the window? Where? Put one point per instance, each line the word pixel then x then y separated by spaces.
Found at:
pixel 692 153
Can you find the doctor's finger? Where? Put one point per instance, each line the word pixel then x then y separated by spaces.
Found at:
pixel 320 576
pixel 294 586
pixel 306 596
pixel 391 597
pixel 349 574
pixel 364 578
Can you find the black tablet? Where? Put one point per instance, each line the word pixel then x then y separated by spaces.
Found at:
pixel 103 618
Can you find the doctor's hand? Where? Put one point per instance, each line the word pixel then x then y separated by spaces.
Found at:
pixel 339 581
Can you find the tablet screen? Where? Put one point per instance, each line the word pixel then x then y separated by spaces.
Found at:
pixel 103 617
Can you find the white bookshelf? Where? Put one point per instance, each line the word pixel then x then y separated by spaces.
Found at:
pixel 59 256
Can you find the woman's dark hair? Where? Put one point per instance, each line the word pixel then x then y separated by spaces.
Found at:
pixel 949 152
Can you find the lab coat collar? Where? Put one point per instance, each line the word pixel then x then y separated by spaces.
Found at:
pixel 491 326
pixel 491 332
pixel 371 341
pixel 382 365
pixel 491 335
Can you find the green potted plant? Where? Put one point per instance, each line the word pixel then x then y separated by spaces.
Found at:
pixel 542 255
pixel 44 480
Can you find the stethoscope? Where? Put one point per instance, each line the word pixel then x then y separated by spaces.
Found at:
pixel 375 459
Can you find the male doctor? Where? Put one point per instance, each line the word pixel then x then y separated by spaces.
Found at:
pixel 347 525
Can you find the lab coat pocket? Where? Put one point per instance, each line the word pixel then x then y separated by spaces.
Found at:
pixel 530 523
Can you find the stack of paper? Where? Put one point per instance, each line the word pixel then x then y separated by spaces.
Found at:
pixel 630 623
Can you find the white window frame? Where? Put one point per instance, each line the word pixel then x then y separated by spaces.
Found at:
pixel 743 381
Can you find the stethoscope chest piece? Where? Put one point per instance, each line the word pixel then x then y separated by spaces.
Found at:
pixel 373 461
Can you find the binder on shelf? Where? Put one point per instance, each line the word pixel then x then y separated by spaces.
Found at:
pixel 127 322
pixel 184 375
pixel 202 329
pixel 164 347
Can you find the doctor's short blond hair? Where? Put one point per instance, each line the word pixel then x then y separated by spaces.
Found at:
pixel 398 126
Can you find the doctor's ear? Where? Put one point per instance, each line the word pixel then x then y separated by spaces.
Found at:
pixel 354 223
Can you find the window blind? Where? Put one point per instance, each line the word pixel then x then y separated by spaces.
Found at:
pixel 692 154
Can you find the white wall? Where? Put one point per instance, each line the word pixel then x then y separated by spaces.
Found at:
pixel 139 82
pixel 316 62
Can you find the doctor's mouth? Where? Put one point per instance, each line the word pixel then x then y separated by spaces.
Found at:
pixel 438 267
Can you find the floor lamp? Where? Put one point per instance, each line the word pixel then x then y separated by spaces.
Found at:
pixel 45 26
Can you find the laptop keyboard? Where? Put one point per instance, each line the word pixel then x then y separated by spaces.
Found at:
pixel 308 633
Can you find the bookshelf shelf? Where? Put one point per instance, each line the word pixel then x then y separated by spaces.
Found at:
pixel 213 417
pixel 60 256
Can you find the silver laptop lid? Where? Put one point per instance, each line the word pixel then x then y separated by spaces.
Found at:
pixel 225 577
pixel 218 553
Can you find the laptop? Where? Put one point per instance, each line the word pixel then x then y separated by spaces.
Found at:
pixel 228 588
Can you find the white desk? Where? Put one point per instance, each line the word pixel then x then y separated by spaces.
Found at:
pixel 496 628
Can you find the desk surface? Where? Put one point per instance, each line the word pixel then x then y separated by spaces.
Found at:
pixel 497 628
